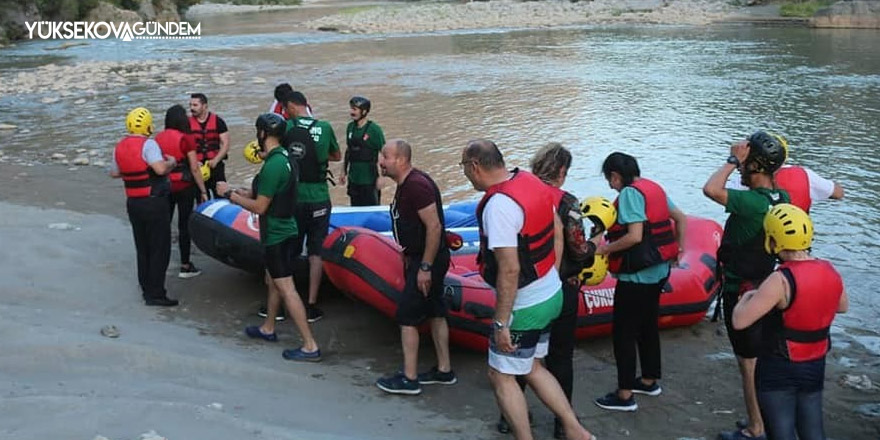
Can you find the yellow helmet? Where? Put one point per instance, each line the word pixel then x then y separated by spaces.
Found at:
pixel 252 152
pixel 206 171
pixel 139 121
pixel 596 272
pixel 600 211
pixel 789 227
pixel 784 144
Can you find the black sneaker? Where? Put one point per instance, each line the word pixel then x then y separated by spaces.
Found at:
pixel 399 384
pixel 188 270
pixel 503 426
pixel 161 302
pixel 281 316
pixel 614 403
pixel 313 314
pixel 434 375
pixel 648 390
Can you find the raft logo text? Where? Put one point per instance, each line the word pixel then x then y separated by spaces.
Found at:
pixel 102 30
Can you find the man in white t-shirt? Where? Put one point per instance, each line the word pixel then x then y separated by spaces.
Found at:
pixel 520 247
pixel 802 184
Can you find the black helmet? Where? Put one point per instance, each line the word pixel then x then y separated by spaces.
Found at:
pixel 766 151
pixel 359 102
pixel 272 124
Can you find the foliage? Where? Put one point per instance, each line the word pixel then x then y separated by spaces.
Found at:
pixel 803 9
pixel 260 2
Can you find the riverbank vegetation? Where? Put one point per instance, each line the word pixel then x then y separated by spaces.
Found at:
pixel 803 9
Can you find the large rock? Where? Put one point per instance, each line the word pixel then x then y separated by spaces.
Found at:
pixel 109 13
pixel 162 10
pixel 849 14
pixel 13 15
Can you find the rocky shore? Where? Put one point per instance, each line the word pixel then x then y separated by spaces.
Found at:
pixel 429 17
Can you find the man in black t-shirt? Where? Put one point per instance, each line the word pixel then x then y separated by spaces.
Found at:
pixel 212 139
pixel 417 217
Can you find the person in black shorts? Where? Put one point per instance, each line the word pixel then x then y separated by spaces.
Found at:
pixel 417 216
pixel 273 197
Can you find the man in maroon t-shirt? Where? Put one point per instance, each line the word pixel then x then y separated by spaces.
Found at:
pixel 417 217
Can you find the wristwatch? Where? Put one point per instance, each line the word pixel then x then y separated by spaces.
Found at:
pixel 498 325
pixel 425 266
pixel 733 160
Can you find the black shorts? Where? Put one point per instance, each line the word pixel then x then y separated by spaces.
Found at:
pixel 747 342
pixel 277 258
pixel 312 223
pixel 413 307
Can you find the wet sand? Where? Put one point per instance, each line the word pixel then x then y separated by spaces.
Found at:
pixel 189 373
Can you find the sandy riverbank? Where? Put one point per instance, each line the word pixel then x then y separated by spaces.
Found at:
pixel 188 373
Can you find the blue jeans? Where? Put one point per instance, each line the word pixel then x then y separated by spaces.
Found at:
pixel 788 411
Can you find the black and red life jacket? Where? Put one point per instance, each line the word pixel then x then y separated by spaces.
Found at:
pixel 799 333
pixel 279 109
pixel 139 178
pixel 658 234
pixel 796 183
pixel 207 137
pixel 169 141
pixel 535 239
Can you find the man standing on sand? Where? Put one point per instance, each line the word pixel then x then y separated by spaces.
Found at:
pixel 212 139
pixel 417 216
pixel 273 198
pixel 364 139
pixel 138 160
pixel 317 143
pixel 743 260
pixel 521 243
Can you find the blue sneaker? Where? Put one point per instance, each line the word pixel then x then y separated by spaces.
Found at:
pixel 255 332
pixel 297 354
pixel 614 403
pixel 434 375
pixel 648 390
pixel 399 384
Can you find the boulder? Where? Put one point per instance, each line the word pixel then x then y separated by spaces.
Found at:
pixel 109 13
pixel 161 11
pixel 858 14
pixel 13 15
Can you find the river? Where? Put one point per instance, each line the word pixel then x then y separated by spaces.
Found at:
pixel 674 96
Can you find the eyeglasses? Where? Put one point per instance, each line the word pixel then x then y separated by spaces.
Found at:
pixel 463 163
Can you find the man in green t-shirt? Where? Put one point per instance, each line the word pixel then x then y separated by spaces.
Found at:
pixel 315 144
pixel 364 139
pixel 273 198
pixel 744 262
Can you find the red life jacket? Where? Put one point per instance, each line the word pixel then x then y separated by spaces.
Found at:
pixel 795 181
pixel 658 240
pixel 279 109
pixel 138 177
pixel 535 239
pixel 207 138
pixel 169 141
pixel 800 332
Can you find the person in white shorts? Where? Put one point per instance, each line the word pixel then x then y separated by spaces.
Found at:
pixel 520 247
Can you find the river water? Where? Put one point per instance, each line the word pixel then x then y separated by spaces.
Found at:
pixel 675 97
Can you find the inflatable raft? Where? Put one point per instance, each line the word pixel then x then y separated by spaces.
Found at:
pixel 369 266
pixel 231 234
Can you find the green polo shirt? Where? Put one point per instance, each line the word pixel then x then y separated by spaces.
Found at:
pixel 362 173
pixel 273 179
pixel 747 209
pixel 325 143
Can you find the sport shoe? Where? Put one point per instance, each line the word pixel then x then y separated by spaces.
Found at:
pixel 161 302
pixel 313 314
pixel 648 390
pixel 504 427
pixel 434 375
pixel 188 270
pixel 297 354
pixel 614 403
pixel 741 434
pixel 399 384
pixel 254 332
pixel 281 316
